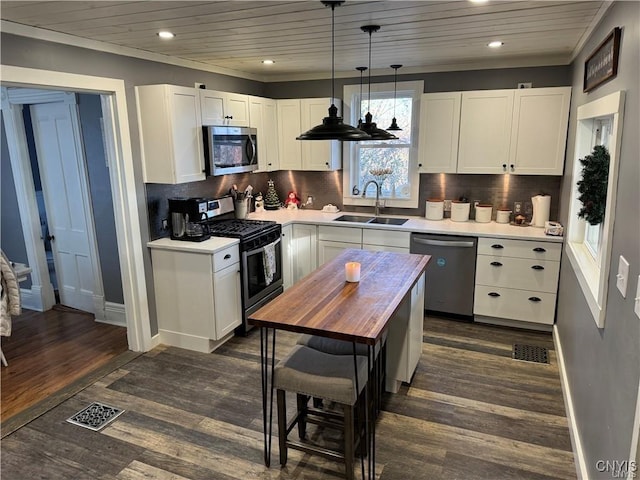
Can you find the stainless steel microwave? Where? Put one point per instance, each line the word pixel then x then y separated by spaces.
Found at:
pixel 230 149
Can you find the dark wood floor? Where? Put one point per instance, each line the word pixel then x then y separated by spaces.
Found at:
pixel 471 412
pixel 49 350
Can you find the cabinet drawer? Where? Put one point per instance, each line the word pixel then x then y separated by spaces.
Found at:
pixel 225 258
pixel 519 248
pixel 385 238
pixel 522 305
pixel 340 234
pixel 522 273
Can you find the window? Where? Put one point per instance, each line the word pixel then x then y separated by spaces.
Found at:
pixel 589 246
pixel 363 160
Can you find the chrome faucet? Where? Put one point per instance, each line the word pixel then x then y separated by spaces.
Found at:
pixel 364 195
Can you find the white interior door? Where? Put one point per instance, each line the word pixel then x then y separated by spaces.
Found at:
pixel 60 159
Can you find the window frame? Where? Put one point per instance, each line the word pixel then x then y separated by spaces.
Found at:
pixel 592 271
pixel 351 94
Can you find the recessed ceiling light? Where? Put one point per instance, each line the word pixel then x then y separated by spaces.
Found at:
pixel 166 35
pixel 479 1
pixel 495 44
pixel 268 62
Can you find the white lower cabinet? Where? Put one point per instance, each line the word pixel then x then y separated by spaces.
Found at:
pixel 332 241
pixel 404 341
pixel 385 240
pixel 304 250
pixel 198 299
pixel 517 280
pixel 287 256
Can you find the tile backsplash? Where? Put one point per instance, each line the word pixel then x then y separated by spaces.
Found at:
pixel 326 187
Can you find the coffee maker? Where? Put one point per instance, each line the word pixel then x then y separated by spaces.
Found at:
pixel 188 218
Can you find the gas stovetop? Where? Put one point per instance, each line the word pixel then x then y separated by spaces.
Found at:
pixel 239 228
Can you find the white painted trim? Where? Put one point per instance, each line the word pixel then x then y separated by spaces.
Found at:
pixel 155 341
pixel 192 342
pixel 578 453
pixel 114 314
pixel 31 299
pixel 123 186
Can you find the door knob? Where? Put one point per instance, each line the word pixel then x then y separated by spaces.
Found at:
pixel 51 237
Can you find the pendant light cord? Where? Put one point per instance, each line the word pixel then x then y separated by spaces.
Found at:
pixel 333 68
pixel 395 83
pixel 369 95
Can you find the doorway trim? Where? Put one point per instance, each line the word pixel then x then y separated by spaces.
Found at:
pixel 123 186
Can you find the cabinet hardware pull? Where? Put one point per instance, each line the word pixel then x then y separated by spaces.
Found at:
pixel 419 165
pixel 227 256
pixel 535 299
pixel 495 264
pixel 496 245
pixel 537 267
pixel 493 294
pixel 539 249
pixel 513 167
pixel 504 167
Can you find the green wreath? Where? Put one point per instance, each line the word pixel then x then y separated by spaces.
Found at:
pixel 593 185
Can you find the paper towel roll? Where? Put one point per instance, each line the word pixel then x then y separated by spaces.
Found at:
pixel 541 206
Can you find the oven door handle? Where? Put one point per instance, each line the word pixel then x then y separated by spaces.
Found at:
pixel 261 249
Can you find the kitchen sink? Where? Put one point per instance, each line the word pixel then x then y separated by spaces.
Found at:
pixel 353 218
pixel 388 220
pixel 377 220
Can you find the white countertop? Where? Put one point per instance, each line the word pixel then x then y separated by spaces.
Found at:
pixel 414 224
pixel 213 245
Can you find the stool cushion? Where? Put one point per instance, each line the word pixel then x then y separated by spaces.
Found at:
pixel 318 374
pixel 337 347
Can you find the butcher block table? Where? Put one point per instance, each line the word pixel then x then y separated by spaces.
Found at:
pixel 323 303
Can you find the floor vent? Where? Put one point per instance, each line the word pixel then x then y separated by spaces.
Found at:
pixel 95 416
pixel 530 353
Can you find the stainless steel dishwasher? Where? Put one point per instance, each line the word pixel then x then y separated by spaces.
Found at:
pixel 450 274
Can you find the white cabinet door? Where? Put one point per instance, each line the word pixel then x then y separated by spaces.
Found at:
pixel 485 131
pixel 320 155
pixel 539 130
pixel 305 247
pixel 328 250
pixel 439 131
pixel 289 127
pixel 170 134
pixel 227 301
pixel 287 256
pixel 263 117
pixel 416 325
pixel 224 108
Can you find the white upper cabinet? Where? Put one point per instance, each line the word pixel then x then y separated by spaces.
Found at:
pixel 224 108
pixel 263 117
pixel 289 127
pixel 170 134
pixel 539 130
pixel 439 131
pixel 485 131
pixel 299 115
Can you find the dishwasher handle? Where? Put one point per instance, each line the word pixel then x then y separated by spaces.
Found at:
pixel 443 243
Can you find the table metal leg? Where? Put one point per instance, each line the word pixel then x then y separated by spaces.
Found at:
pixel 266 372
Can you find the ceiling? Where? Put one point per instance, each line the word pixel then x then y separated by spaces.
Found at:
pixel 234 36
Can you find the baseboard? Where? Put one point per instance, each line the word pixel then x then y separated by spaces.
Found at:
pixel 504 322
pixel 155 341
pixel 114 314
pixel 31 300
pixel 581 464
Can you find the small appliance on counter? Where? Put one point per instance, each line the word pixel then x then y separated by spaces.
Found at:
pixel 188 218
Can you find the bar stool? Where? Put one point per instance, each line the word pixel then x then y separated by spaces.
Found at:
pixel 312 373
pixel 342 347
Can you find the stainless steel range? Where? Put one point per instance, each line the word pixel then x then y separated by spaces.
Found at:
pixel 260 252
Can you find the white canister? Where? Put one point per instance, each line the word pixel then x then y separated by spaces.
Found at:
pixel 483 213
pixel 434 209
pixel 503 215
pixel 459 211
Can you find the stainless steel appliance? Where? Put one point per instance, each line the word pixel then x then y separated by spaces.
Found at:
pixel 260 251
pixel 450 274
pixel 230 149
pixel 188 218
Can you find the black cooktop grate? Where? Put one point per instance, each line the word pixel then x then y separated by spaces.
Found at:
pixel 238 228
pixel 530 353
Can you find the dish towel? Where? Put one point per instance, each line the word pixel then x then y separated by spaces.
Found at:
pixel 269 262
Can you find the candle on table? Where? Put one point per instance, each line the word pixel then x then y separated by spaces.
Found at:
pixel 352 271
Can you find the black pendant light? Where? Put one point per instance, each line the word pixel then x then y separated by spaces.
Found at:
pixel 394 125
pixel 332 127
pixel 369 126
pixel 361 70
